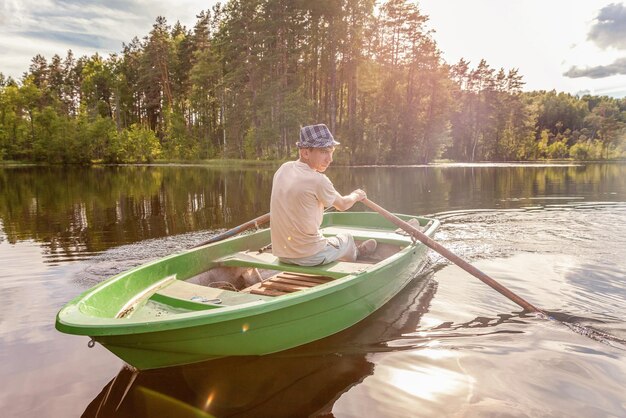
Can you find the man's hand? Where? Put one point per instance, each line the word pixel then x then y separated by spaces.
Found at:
pixel 359 195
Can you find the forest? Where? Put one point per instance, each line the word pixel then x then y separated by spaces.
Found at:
pixel 250 73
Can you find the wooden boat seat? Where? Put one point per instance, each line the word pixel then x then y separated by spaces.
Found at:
pixel 188 295
pixel 268 261
pixel 284 283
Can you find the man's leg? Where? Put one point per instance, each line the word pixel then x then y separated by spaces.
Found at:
pixel 340 247
pixel 346 248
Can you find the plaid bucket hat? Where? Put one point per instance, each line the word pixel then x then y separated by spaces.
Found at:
pixel 316 136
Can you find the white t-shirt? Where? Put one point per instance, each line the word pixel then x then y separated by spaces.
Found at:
pixel 299 195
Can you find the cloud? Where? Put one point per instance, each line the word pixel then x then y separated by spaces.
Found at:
pixel 66 22
pixel 76 39
pixel 608 31
pixel 610 27
pixel 47 27
pixel 600 71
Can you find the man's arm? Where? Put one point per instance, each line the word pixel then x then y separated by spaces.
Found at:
pixel 346 202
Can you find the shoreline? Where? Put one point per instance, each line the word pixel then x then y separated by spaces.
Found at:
pixel 237 163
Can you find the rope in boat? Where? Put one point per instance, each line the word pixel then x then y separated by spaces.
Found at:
pixel 223 285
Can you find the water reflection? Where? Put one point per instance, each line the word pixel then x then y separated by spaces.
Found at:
pixel 305 381
pixel 555 235
pixel 269 386
pixel 427 382
pixel 76 212
pixel 73 211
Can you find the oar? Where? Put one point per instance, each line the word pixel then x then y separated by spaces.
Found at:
pixel 237 230
pixel 452 257
pixel 594 334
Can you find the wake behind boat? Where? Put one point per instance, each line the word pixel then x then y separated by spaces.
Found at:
pixel 234 298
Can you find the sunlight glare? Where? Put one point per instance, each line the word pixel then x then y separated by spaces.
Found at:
pixel 428 381
pixel 209 400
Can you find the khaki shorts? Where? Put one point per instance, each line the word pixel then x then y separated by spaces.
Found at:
pixel 340 247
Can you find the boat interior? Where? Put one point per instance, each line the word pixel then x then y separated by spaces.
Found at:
pixel 256 275
pixel 249 276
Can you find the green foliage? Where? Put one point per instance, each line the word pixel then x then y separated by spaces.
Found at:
pixel 242 81
pixel 177 142
pixel 98 80
pixel 138 145
pixel 558 150
pixel 579 151
pixel 250 141
pixel 542 145
pixel 98 138
pixel 558 111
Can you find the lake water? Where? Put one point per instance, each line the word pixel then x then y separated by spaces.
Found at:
pixel 447 345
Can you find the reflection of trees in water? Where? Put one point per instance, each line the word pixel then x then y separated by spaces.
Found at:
pixel 439 188
pixel 299 382
pixel 482 186
pixel 73 210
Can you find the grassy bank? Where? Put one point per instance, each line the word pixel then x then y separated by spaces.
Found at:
pixel 243 163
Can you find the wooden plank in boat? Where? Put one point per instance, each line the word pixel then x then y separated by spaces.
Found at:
pixel 288 281
pixel 267 292
pixel 308 277
pixel 285 285
pixel 298 280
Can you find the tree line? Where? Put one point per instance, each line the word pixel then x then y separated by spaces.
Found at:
pixel 242 81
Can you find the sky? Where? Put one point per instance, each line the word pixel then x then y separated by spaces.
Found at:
pixel 575 46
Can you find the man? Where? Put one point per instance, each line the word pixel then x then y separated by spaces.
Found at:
pixel 300 192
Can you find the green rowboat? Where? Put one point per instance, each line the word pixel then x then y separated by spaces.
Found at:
pixel 229 299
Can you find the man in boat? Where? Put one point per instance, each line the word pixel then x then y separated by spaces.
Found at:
pixel 300 192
